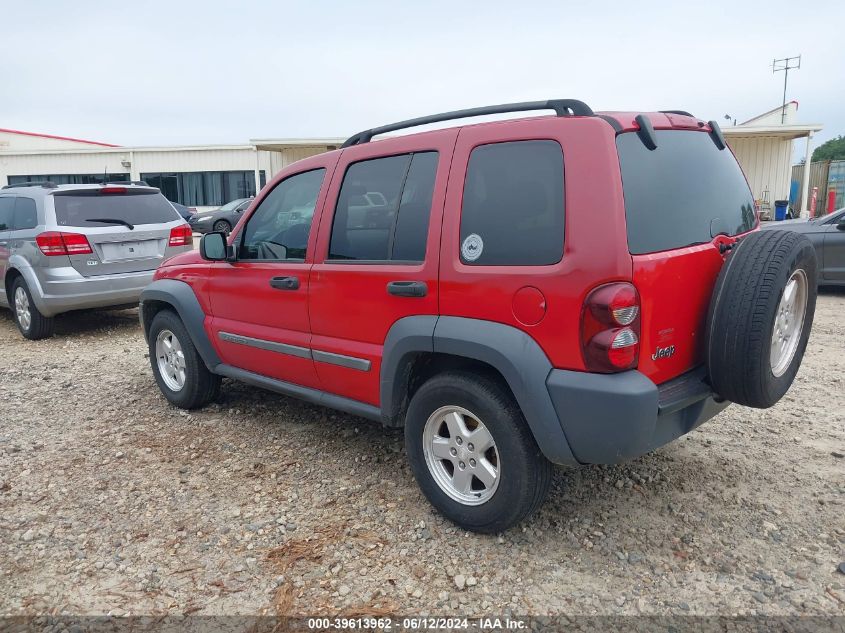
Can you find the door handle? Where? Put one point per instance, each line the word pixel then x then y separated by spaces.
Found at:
pixel 285 283
pixel 407 288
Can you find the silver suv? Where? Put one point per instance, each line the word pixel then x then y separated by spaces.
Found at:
pixel 70 247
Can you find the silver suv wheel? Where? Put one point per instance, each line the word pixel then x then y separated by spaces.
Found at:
pixel 789 322
pixel 171 360
pixel 22 308
pixel 461 455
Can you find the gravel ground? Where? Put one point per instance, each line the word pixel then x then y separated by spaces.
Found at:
pixel 111 501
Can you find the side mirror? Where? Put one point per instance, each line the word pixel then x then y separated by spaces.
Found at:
pixel 841 224
pixel 213 247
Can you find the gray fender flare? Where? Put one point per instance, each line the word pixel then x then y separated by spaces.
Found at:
pixel 19 264
pixel 181 297
pixel 512 352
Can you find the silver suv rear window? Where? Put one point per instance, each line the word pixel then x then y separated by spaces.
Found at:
pixel 684 192
pixel 84 208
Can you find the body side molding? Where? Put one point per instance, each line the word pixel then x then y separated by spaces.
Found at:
pixel 271 346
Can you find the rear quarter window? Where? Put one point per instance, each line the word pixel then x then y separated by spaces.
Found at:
pixel 85 208
pixel 26 214
pixel 512 212
pixel 7 211
pixel 684 192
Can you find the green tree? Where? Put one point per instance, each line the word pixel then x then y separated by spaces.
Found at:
pixel 834 149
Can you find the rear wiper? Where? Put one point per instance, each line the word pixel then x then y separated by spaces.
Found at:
pixel 131 227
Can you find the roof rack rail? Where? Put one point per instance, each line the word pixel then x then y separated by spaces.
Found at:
pixel 681 112
pixel 41 183
pixel 562 107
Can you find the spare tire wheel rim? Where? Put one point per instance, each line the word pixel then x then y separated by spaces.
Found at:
pixel 461 455
pixel 789 322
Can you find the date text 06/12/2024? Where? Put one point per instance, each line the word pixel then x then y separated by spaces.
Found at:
pixel 418 624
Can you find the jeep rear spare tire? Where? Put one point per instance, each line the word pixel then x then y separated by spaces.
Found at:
pixel 760 317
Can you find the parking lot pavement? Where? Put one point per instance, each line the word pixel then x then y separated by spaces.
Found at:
pixel 113 501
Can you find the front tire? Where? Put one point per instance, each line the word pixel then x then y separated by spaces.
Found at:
pixel 222 226
pixel 31 323
pixel 178 368
pixel 472 453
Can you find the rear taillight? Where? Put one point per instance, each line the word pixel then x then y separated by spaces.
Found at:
pixel 181 235
pixel 54 243
pixel 610 328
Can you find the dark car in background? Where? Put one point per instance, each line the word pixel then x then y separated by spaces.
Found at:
pixel 827 234
pixel 221 220
pixel 182 210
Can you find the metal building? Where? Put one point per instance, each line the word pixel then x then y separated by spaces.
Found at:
pixel 201 176
pixel 207 176
pixel 763 146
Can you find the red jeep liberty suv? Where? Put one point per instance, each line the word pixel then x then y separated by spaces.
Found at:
pixel 575 288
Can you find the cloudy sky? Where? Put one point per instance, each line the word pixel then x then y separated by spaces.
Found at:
pixel 177 72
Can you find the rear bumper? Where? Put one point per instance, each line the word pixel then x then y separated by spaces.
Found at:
pixel 57 290
pixel 610 418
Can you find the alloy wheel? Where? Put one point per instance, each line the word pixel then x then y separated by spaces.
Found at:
pixel 22 309
pixel 461 455
pixel 789 322
pixel 171 360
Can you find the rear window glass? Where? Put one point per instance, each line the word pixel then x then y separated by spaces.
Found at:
pixel 84 208
pixel 684 192
pixel 383 209
pixel 512 212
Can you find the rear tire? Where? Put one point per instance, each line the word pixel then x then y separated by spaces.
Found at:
pixel 760 317
pixel 443 461
pixel 178 368
pixel 31 323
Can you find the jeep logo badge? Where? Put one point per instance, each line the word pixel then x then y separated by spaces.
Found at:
pixel 663 352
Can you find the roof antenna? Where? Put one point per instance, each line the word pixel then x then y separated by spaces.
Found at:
pixel 105 174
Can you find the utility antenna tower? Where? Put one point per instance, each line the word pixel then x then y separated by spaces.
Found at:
pixel 786 64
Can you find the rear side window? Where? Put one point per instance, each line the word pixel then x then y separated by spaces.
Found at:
pixel 26 216
pixel 684 192
pixel 92 208
pixel 7 211
pixel 383 209
pixel 513 203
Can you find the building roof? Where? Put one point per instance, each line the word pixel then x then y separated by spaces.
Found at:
pixel 782 131
pixel 57 138
pixel 278 144
pixel 775 122
pixel 791 108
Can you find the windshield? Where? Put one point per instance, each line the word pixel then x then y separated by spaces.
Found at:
pixel 830 218
pixel 682 193
pixel 234 204
pixel 87 207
